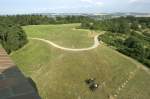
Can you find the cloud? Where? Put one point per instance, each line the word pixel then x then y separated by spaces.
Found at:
pixel 139 1
pixel 96 2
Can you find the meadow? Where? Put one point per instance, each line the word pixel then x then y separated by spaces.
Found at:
pixel 64 35
pixel 61 74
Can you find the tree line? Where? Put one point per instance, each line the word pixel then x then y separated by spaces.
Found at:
pixel 120 25
pixel 41 19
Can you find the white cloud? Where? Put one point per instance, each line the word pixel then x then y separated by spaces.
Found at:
pixel 87 0
pixel 133 1
pixel 96 2
pixel 139 1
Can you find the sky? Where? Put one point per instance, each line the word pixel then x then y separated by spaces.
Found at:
pixel 73 6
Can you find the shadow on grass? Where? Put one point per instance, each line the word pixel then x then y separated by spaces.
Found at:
pixel 12 81
pixel 33 84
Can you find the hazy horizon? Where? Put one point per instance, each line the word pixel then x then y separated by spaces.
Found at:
pixel 73 6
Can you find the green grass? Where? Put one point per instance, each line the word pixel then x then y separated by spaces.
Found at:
pixel 139 87
pixel 0 46
pixel 62 74
pixel 64 35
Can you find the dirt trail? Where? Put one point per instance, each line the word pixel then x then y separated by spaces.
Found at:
pixel 95 45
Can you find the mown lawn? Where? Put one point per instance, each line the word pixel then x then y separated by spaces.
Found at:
pixel 62 74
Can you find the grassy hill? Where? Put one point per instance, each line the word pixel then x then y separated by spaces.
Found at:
pixel 62 74
pixel 64 35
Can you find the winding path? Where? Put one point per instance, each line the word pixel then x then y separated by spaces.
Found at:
pixel 95 45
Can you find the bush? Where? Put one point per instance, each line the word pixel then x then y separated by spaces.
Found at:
pixel 147 62
pixel 147 33
pixel 12 37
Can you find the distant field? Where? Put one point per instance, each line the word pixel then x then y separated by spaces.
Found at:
pixel 62 74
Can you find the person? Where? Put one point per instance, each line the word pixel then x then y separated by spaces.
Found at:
pixel 94 86
pixel 90 81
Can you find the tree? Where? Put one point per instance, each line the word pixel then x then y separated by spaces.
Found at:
pixel 124 26
pixel 134 47
pixel 12 36
pixel 135 25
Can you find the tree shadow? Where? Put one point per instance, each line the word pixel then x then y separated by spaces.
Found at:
pixel 33 84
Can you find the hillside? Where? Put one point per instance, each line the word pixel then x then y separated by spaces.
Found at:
pixel 61 74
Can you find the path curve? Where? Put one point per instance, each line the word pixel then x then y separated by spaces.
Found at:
pixel 95 45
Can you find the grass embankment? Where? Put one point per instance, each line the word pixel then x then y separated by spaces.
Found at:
pixel 61 74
